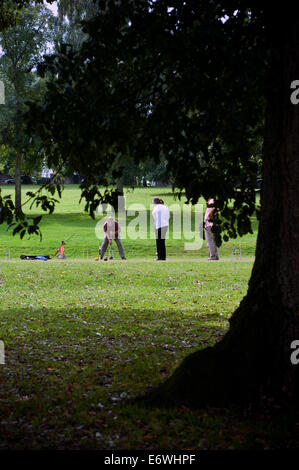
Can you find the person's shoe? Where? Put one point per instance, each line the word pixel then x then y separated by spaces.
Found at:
pixel 124 257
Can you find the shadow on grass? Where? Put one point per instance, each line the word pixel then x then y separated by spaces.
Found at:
pixel 70 371
pixel 71 375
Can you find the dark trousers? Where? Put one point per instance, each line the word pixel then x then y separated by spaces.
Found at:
pixel 160 242
pixel 119 246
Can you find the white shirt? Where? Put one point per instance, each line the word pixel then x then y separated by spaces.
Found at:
pixel 161 215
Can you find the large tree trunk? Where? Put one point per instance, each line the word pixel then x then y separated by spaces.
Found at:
pixel 121 199
pixel 252 361
pixel 120 186
pixel 19 157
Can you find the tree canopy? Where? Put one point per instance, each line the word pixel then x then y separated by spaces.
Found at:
pixel 158 79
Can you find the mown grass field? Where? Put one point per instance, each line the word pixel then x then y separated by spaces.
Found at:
pixel 83 338
pixel 69 218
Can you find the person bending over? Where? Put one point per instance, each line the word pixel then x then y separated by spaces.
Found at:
pixel 112 230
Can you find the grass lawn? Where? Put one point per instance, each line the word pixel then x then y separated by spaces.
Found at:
pixel 82 338
pixel 69 218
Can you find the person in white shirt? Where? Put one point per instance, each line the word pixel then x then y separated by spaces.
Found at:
pixel 161 218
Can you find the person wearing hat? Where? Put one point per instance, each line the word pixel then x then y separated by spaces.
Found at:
pixel 112 230
pixel 161 219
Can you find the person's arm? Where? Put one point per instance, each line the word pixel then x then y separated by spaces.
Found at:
pixel 109 239
pixel 106 234
pixel 165 216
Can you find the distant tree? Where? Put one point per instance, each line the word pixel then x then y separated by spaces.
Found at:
pixel 154 171
pixel 71 15
pixel 10 11
pixel 22 47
